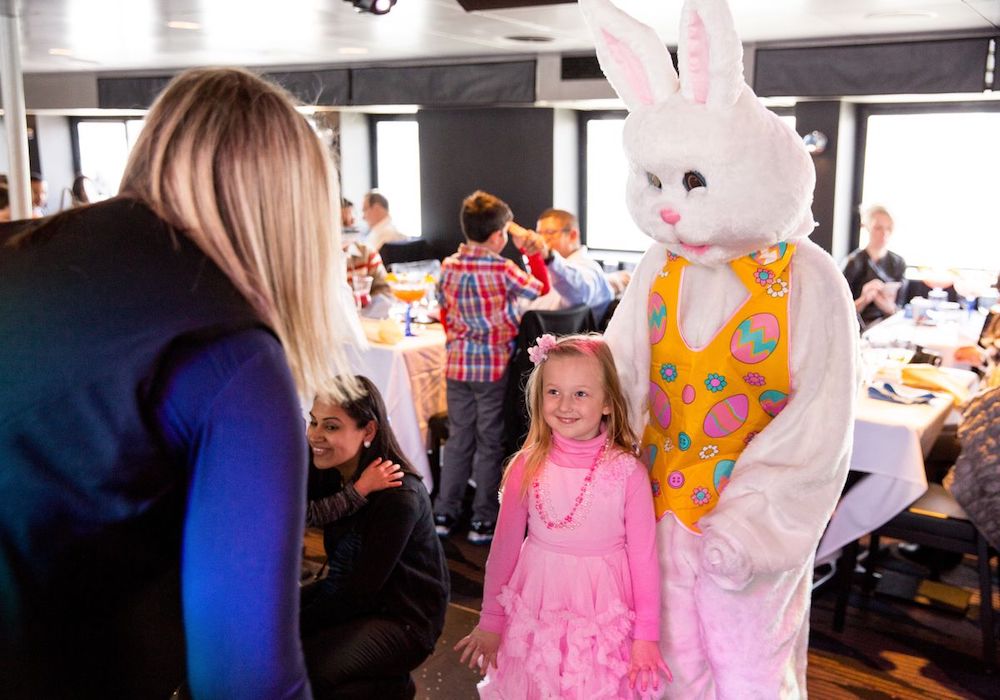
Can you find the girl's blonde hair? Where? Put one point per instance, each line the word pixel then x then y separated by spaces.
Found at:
pixel 226 159
pixel 539 441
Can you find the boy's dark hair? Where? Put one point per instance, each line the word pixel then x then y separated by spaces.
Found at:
pixel 4 198
pixel 482 215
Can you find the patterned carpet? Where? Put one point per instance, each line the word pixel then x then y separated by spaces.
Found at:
pixel 890 648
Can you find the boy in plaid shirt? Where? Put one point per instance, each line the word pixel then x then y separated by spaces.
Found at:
pixel 479 293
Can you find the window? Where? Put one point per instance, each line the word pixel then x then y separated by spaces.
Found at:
pixel 397 170
pixel 103 149
pixel 936 172
pixel 608 223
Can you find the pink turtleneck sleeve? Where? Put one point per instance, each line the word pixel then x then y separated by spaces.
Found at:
pixel 640 539
pixel 508 537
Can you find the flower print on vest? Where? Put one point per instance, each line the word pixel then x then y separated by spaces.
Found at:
pixel 708 451
pixel 715 382
pixel 754 379
pixel 668 444
pixel 668 372
pixel 655 483
pixel 777 289
pixel 763 276
pixel 701 496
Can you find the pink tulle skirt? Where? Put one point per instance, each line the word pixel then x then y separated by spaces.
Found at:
pixel 569 626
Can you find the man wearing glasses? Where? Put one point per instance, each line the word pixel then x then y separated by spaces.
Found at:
pixel 576 278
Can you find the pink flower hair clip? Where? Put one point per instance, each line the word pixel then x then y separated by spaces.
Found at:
pixel 539 352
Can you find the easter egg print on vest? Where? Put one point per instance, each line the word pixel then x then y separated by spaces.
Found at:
pixel 720 401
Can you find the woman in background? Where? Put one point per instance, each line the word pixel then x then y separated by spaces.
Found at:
pixel 380 610
pixel 874 273
pixel 152 351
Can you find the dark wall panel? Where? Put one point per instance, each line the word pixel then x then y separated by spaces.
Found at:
pixel 311 87
pixel 824 117
pixel 920 67
pixel 505 151
pixel 469 84
pixel 316 87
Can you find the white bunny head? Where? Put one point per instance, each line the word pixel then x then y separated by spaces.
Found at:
pixel 713 174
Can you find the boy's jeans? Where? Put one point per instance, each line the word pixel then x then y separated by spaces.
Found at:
pixel 475 444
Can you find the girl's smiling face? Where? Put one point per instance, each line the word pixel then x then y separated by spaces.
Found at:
pixel 334 438
pixel 573 396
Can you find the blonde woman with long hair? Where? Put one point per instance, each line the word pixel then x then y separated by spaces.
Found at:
pixel 572 611
pixel 153 351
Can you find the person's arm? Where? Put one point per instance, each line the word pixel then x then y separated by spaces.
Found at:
pixel 579 283
pixel 330 509
pixel 788 480
pixel 230 412
pixel 536 264
pixel 640 546
pixel 512 523
pixel 519 283
pixel 390 520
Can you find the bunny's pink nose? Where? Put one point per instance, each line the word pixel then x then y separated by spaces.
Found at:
pixel 670 216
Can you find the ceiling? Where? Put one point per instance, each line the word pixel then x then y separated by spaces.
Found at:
pixel 115 35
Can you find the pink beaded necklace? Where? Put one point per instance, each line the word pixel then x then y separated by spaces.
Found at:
pixel 543 502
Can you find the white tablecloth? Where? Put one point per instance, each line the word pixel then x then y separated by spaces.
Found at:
pixel 410 375
pixel 890 443
pixel 943 338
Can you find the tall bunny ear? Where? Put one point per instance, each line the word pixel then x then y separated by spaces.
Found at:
pixel 710 54
pixel 633 58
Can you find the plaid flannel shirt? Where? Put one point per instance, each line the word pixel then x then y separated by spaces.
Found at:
pixel 479 291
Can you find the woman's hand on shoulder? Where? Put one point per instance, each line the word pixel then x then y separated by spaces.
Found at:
pixel 646 664
pixel 379 475
pixel 480 647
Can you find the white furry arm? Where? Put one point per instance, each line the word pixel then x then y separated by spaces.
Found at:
pixel 628 335
pixel 786 483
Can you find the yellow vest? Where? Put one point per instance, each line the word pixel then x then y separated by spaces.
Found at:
pixel 706 404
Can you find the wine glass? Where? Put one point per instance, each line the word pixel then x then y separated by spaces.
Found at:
pixel 408 288
pixel 361 285
pixel 938 280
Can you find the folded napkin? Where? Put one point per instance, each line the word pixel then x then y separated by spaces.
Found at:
pixel 934 378
pixel 385 331
pixel 887 392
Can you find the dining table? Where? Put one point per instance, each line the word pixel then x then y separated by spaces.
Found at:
pixel 409 372
pixel 891 441
pixel 942 333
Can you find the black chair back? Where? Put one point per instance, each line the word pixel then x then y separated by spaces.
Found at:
pixel 404 251
pixel 608 313
pixel 577 319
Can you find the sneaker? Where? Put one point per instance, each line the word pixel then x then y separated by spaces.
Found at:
pixel 481 531
pixel 443 525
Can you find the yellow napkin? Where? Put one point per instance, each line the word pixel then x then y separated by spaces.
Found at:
pixel 934 378
pixel 386 331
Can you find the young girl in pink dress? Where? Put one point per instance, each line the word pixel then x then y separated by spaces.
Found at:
pixel 572 610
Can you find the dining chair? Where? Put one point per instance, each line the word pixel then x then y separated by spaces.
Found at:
pixel 576 319
pixel 404 251
pixel 934 520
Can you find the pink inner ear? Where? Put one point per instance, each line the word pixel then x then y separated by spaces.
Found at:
pixel 631 67
pixel 697 59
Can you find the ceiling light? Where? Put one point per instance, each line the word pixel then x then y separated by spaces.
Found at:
pixel 352 50
pixel 375 7
pixel 60 52
pixel 183 25
pixel 529 38
pixel 901 14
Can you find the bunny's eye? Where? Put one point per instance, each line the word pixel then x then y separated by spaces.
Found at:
pixel 654 181
pixel 693 179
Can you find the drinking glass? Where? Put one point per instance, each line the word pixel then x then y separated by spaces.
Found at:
pixel 361 285
pixel 408 288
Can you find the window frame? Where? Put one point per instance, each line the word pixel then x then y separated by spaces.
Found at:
pixel 583 117
pixel 74 134
pixel 866 110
